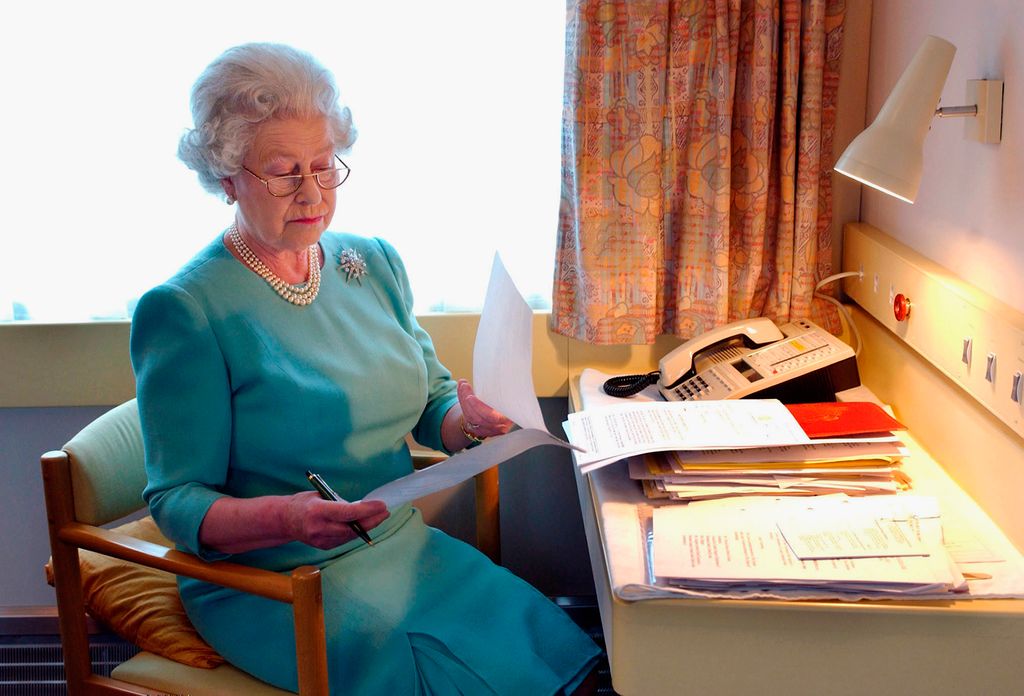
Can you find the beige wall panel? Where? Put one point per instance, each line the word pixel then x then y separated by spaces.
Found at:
pixel 65 364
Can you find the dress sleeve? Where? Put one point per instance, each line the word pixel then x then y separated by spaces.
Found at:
pixel 184 406
pixel 441 389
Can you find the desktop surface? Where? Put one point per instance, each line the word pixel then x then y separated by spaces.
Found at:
pixel 727 646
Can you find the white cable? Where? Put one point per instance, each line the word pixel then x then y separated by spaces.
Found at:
pixel 837 276
pixel 842 308
pixel 846 316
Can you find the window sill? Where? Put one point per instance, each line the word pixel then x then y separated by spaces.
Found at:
pixel 87 363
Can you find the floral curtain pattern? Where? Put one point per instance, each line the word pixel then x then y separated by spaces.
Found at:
pixel 697 147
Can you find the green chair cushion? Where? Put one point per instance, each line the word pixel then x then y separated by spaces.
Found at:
pixel 108 470
pixel 147 669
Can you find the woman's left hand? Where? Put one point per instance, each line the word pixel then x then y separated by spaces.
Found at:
pixel 478 419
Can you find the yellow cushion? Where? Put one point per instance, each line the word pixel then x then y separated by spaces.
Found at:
pixel 142 604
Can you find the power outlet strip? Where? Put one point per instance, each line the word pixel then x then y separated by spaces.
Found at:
pixel 973 338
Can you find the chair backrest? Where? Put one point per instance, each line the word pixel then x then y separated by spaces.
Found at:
pixel 108 470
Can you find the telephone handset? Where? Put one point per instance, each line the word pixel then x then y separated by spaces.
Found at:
pixel 798 362
pixel 714 346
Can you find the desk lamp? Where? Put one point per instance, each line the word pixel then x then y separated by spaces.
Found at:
pixel 888 155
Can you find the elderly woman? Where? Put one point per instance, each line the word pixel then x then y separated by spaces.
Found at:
pixel 282 348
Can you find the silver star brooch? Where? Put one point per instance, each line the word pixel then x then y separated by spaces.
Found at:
pixel 353 264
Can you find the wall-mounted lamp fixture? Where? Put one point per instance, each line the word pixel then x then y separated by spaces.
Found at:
pixel 889 154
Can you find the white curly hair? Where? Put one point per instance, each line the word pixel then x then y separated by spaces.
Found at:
pixel 245 86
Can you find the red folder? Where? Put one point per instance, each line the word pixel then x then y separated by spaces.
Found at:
pixel 842 418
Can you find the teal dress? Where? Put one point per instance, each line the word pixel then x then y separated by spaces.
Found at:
pixel 240 392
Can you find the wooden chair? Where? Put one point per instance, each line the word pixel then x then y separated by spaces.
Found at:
pixel 98 477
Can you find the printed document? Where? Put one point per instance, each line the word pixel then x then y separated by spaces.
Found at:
pixel 702 545
pixel 503 378
pixel 610 433
pixel 814 535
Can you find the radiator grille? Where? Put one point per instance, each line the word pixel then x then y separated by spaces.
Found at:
pixel 34 665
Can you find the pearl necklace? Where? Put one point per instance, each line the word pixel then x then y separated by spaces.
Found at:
pixel 300 294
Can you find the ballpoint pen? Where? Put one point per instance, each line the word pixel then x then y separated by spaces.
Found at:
pixel 327 494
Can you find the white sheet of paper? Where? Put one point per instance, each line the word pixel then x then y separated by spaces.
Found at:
pixel 823 534
pixel 609 433
pixel 964 544
pixel 461 467
pixel 502 378
pixel 697 543
pixel 503 352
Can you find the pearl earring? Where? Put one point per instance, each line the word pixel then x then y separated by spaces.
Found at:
pixel 230 200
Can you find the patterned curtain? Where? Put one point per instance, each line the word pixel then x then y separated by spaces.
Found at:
pixel 697 148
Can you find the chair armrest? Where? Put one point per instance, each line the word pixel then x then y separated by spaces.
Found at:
pixel 422 458
pixel 302 589
pixel 264 583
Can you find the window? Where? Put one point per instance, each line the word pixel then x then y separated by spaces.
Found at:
pixel 457 103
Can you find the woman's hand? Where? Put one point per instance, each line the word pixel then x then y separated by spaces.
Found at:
pixel 471 421
pixel 324 523
pixel 480 419
pixel 236 525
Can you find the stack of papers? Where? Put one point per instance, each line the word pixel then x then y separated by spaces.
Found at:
pixel 991 565
pixel 866 548
pixel 854 468
pixel 609 433
pixel 703 450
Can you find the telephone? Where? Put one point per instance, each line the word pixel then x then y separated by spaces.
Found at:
pixel 798 362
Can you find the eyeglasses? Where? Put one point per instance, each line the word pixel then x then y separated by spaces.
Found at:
pixel 281 186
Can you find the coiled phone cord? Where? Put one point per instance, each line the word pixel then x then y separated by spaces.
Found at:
pixel 628 385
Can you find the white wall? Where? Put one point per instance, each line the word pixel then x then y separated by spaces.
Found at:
pixel 969 214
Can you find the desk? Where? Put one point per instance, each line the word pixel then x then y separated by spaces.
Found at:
pixel 705 646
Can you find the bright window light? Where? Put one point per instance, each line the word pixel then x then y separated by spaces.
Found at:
pixel 458 107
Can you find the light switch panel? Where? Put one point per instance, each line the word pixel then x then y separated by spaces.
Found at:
pixel 949 313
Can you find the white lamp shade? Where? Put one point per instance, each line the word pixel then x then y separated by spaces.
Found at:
pixel 889 154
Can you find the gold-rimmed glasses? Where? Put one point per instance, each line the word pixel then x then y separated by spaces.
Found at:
pixel 281 186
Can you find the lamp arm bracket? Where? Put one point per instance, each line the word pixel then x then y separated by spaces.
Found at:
pixel 957 111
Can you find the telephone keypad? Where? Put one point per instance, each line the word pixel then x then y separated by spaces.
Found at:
pixel 697 387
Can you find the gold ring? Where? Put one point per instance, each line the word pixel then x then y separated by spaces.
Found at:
pixel 465 431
